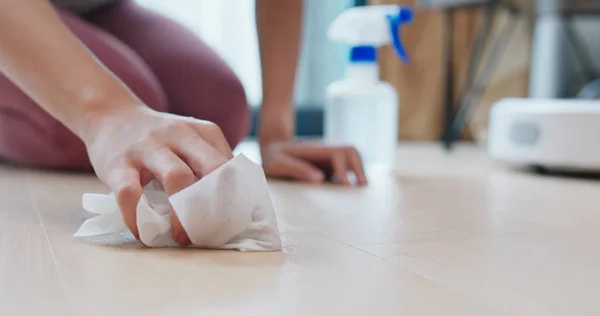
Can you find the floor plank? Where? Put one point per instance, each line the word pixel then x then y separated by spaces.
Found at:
pixel 27 264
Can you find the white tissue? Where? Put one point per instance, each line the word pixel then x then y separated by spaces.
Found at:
pixel 229 208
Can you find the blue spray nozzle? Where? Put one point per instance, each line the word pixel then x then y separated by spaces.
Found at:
pixel 404 16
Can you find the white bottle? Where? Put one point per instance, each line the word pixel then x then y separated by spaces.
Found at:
pixel 361 110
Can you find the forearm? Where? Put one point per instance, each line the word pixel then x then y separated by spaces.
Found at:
pixel 279 26
pixel 41 56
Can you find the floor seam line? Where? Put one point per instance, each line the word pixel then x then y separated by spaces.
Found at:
pixel 34 204
pixel 444 284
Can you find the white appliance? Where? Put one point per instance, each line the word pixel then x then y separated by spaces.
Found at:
pixel 558 134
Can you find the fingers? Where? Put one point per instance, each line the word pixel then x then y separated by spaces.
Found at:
pixel 355 163
pixel 290 167
pixel 159 146
pixel 175 175
pixel 125 183
pixel 194 149
pixel 212 133
pixel 200 155
pixel 340 167
pixel 341 159
pixel 202 146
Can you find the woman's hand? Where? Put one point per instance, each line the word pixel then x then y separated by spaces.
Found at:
pixel 312 162
pixel 135 145
pixel 128 143
pixel 309 161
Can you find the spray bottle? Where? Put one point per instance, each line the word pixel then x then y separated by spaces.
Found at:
pixel 361 110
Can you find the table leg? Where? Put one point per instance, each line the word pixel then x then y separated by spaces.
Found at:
pixel 551 56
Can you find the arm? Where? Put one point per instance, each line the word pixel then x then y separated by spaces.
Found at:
pixel 128 143
pixel 279 29
pixel 67 82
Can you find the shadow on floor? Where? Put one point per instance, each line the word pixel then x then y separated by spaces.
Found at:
pixel 581 175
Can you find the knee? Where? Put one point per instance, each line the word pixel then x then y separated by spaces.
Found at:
pixel 219 98
pixel 30 136
pixel 235 113
pixel 26 141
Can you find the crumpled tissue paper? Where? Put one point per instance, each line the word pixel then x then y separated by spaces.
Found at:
pixel 229 208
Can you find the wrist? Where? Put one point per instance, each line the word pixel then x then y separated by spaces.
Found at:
pixel 98 109
pixel 275 125
pixel 271 134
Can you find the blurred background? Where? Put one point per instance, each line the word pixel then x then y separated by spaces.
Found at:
pixel 321 61
pixel 466 55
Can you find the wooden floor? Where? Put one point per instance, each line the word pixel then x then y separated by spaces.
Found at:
pixel 447 235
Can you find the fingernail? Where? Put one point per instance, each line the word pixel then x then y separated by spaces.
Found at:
pixel 182 239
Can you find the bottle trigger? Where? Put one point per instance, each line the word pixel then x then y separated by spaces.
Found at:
pixel 395 22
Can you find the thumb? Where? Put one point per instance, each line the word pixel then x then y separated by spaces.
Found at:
pixel 296 168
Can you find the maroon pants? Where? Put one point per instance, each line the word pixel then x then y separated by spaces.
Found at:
pixel 165 64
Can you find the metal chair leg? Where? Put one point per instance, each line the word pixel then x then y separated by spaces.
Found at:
pixel 449 71
pixel 479 44
pixel 475 92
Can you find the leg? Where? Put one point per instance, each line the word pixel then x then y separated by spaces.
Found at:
pixel 196 80
pixel 29 136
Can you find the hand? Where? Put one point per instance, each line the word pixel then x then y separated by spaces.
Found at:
pixel 131 147
pixel 312 162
